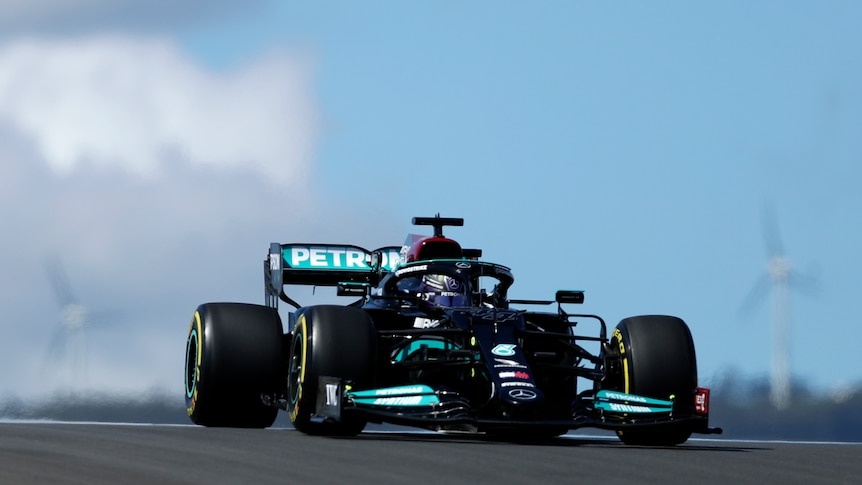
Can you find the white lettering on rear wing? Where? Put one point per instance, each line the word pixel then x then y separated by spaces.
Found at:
pixel 341 258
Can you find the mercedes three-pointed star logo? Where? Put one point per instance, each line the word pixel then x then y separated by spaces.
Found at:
pixel 522 394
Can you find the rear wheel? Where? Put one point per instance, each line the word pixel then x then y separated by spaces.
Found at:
pixel 658 361
pixel 332 341
pixel 233 355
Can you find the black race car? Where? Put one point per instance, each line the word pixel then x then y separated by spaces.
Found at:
pixel 432 340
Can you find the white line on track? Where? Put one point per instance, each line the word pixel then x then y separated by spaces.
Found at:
pixel 427 432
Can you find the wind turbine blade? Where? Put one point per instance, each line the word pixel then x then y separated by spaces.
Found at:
pixel 808 282
pixel 60 282
pixel 771 232
pixel 103 318
pixel 755 296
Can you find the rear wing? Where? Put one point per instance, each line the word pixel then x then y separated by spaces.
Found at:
pixel 349 267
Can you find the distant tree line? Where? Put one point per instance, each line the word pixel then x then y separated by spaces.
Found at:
pixel 100 407
pixel 743 409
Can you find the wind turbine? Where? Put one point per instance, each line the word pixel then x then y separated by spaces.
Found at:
pixel 68 345
pixel 779 271
pixel 779 276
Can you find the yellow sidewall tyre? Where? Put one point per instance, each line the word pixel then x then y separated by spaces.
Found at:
pixel 332 341
pixel 233 356
pixel 657 360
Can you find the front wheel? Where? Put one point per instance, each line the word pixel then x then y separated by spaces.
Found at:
pixel 233 355
pixel 332 341
pixel 658 360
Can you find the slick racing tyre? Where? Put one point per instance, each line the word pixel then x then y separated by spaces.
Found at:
pixel 233 355
pixel 658 361
pixel 333 341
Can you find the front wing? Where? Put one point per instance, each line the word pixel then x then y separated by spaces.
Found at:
pixel 423 406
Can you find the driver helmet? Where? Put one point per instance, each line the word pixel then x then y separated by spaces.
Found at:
pixel 443 290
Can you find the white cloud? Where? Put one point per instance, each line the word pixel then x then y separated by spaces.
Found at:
pixel 160 185
pixel 158 182
pixel 138 104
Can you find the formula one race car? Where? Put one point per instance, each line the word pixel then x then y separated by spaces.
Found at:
pixel 432 340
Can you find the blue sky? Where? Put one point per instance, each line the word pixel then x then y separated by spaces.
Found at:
pixel 625 149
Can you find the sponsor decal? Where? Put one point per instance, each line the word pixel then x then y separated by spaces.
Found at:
pixel 393 391
pixel 389 260
pixel 326 257
pixel 424 400
pixel 624 397
pixel 334 257
pixel 332 394
pixel 619 338
pixel 420 322
pixel 701 401
pixel 504 350
pixel 398 401
pixel 508 363
pixel 494 314
pixel 411 269
pixel 522 394
pixel 385 260
pixel 400 390
pixel 630 403
pixel 516 384
pixel 516 375
pixel 274 262
pixel 627 408
pixel 462 265
pixel 420 395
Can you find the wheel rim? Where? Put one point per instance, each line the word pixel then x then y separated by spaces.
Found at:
pixel 191 362
pixel 294 371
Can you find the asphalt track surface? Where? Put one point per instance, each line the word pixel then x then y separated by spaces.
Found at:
pixel 86 453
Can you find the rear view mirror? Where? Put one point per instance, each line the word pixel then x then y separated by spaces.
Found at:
pixel 568 296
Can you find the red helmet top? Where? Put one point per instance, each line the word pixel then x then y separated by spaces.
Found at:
pixel 433 248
